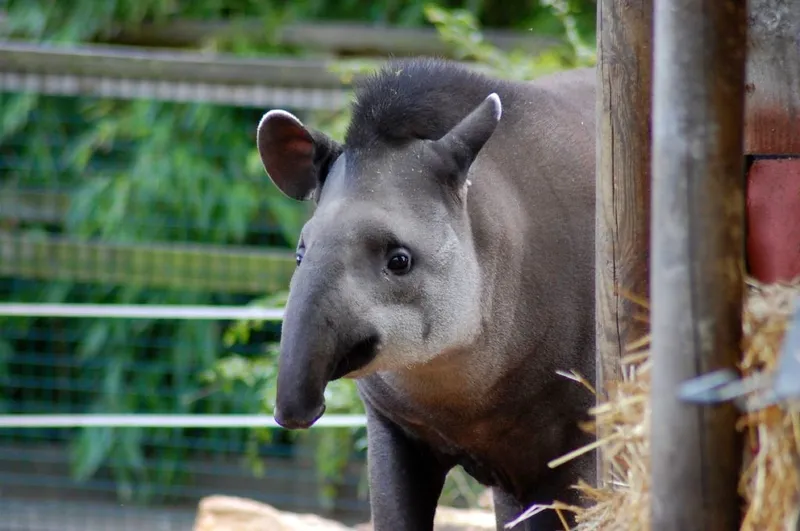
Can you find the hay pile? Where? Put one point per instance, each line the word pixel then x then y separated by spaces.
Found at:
pixel 769 481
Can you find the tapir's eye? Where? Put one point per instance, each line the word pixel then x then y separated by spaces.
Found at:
pixel 299 254
pixel 399 261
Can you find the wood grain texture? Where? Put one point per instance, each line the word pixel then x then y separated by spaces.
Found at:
pixel 343 38
pixel 622 230
pixel 623 176
pixel 188 67
pixel 697 257
pixel 773 78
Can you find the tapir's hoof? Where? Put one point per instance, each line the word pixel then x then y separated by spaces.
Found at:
pixel 295 421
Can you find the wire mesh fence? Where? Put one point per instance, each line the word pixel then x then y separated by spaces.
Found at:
pixel 145 202
pixel 161 468
pixel 137 227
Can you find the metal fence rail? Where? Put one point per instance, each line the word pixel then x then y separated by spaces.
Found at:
pixel 175 91
pixel 103 339
pixel 140 311
pixel 168 421
pixel 104 334
pixel 179 76
pixel 181 457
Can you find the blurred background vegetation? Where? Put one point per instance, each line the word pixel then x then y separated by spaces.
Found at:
pixel 151 172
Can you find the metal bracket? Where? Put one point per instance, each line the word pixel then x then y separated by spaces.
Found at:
pixel 758 391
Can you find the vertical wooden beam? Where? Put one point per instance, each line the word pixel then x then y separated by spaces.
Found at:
pixel 622 230
pixel 697 257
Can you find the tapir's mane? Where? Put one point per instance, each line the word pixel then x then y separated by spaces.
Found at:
pixel 411 99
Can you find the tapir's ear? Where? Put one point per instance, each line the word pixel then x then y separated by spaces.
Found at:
pixel 293 155
pixel 464 141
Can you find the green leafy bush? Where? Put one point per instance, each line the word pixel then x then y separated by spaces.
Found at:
pixel 145 171
pixel 461 31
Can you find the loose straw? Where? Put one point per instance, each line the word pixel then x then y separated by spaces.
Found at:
pixel 769 482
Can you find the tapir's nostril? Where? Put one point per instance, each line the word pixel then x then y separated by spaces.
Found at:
pixel 298 420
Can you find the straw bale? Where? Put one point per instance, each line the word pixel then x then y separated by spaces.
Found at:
pixel 769 482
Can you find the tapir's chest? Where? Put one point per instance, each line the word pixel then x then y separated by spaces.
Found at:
pixel 494 448
pixel 463 446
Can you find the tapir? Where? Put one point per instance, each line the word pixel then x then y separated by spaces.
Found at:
pixel 447 267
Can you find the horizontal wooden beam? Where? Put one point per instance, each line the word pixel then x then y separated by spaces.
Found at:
pixel 136 73
pixel 335 37
pixel 38 206
pixel 205 268
pixel 127 72
pixel 142 63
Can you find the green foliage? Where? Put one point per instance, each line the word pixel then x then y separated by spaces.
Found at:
pixel 332 447
pixel 87 20
pixel 141 171
pixel 145 171
pixel 198 193
pixel 461 31
pixel 112 156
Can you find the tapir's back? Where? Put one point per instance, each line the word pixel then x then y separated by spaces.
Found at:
pixel 549 124
pixel 535 186
pixel 496 404
pixel 537 177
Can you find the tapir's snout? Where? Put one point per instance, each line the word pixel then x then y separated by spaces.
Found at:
pixel 303 373
pixel 301 384
pixel 316 349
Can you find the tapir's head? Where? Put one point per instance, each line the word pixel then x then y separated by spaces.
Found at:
pixel 387 276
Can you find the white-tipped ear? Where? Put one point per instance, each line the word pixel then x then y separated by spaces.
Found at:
pixel 498 105
pixel 292 154
pixel 464 141
pixel 279 113
pixel 287 153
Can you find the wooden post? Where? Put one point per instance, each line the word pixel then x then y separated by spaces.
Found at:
pixel 772 112
pixel 622 230
pixel 698 257
pixel 772 137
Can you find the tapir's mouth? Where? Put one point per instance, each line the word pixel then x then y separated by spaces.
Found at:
pixel 358 357
pixel 298 423
pixel 300 400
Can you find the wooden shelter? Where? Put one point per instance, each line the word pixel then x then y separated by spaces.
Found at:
pixel 698 186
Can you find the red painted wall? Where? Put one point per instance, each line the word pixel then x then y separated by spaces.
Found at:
pixel 773 219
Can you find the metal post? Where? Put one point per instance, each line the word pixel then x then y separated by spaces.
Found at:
pixel 697 257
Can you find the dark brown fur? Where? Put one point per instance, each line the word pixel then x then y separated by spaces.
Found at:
pixel 493 402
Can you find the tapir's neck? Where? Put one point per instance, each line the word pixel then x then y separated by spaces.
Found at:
pixel 457 379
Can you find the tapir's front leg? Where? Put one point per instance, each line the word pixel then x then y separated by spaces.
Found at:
pixel 405 477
